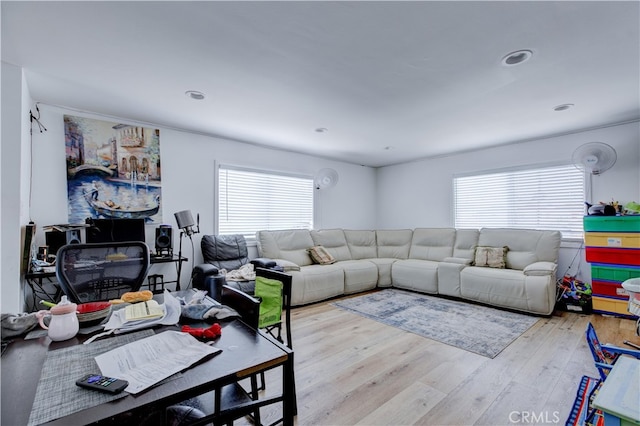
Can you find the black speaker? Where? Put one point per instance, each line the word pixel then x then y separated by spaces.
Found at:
pixel 57 239
pixel 164 241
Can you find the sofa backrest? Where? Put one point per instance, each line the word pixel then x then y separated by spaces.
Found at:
pixel 432 243
pixel 394 243
pixel 289 245
pixel 361 243
pixel 334 241
pixel 466 242
pixel 526 246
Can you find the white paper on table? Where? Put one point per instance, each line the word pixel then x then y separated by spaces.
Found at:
pixel 150 360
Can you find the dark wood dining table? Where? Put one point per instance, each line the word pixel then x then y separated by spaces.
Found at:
pixel 245 351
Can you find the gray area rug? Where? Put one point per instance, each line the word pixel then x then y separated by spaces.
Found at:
pixel 480 329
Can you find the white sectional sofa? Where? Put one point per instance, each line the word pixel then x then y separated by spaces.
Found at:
pixel 427 260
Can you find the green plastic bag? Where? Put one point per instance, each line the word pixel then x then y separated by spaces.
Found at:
pixel 270 293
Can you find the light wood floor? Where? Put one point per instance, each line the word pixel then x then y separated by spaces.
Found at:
pixel 352 370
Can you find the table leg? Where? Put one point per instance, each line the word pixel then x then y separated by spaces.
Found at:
pixel 289 404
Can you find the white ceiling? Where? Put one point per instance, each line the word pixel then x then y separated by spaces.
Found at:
pixel 391 81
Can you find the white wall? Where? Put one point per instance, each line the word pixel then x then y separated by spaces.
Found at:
pixel 419 194
pixel 188 177
pixel 13 211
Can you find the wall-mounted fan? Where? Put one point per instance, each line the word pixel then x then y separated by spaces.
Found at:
pixel 325 178
pixel 595 157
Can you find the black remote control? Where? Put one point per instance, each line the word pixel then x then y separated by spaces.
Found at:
pixel 102 383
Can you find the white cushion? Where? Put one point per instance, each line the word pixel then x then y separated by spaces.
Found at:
pixel 394 243
pixel 362 244
pixel 465 243
pixel 334 241
pixel 413 274
pixel 432 243
pixel 289 245
pixel 359 275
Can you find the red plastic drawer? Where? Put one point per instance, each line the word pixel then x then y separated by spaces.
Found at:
pixel 618 256
pixel 603 288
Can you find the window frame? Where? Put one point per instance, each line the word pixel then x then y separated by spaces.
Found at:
pixel 220 167
pixel 574 233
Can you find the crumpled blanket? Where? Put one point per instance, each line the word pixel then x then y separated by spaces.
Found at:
pixel 244 273
pixel 17 324
pixel 202 311
pixel 196 309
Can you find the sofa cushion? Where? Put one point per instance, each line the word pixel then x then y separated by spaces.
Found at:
pixel 334 241
pixel 394 243
pixel 287 266
pixel 541 269
pixel 289 245
pixel 432 243
pixel 492 257
pixel 465 244
pixel 320 255
pixel 316 282
pixel 384 270
pixel 359 275
pixel 414 274
pixel 362 244
pixel 508 288
pixel 526 246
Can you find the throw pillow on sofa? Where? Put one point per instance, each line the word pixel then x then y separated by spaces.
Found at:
pixel 320 255
pixel 492 257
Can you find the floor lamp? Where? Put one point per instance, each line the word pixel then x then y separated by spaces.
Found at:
pixel 185 222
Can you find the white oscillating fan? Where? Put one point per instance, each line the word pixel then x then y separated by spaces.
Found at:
pixel 595 157
pixel 325 178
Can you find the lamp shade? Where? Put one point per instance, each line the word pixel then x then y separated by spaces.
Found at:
pixel 184 219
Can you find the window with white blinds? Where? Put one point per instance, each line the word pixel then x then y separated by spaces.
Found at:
pixel 253 200
pixel 539 198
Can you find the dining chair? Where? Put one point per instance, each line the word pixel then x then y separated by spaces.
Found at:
pixel 101 271
pixel 276 286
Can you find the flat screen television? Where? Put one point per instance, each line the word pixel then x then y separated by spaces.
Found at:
pixel 114 230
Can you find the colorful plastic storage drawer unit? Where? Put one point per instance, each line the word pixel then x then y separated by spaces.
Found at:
pixel 611 239
pixel 612 223
pixel 613 306
pixel 617 273
pixel 613 255
pixel 603 288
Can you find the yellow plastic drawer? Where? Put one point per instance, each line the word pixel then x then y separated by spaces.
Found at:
pixel 608 239
pixel 610 305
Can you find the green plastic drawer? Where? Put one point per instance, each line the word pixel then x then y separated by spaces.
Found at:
pixel 618 273
pixel 612 223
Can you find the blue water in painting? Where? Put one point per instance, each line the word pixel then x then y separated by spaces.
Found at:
pixel 124 193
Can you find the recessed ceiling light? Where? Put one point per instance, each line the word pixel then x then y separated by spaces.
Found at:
pixel 562 107
pixel 322 130
pixel 194 94
pixel 517 57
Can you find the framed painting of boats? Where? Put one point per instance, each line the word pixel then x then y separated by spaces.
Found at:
pixel 113 170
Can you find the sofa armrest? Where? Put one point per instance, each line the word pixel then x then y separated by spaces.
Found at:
pixel 287 266
pixel 539 269
pixel 458 260
pixel 200 272
pixel 263 262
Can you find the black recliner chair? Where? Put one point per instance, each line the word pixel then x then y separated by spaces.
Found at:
pixel 227 252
